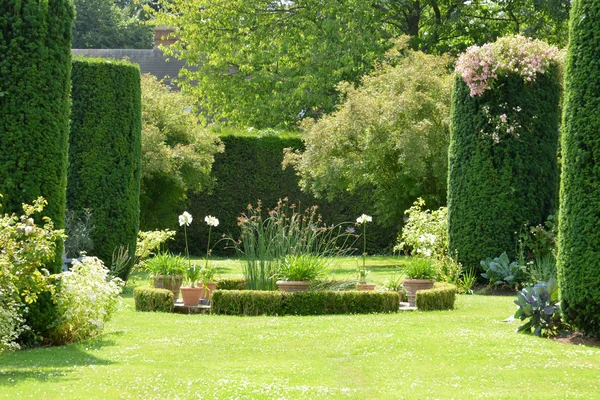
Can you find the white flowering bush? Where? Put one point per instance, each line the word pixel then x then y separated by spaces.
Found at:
pixel 86 297
pixel 12 324
pixel 426 231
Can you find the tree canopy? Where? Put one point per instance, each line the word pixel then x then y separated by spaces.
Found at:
pixel 267 63
pixel 110 24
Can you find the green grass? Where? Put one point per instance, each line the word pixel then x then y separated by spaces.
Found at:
pixel 465 353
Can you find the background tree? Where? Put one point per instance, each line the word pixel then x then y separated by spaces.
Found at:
pixel 177 154
pixel 579 218
pixel 35 67
pixel 390 133
pixel 110 24
pixel 266 63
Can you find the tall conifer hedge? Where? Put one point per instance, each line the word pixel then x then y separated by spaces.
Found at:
pixel 579 218
pixel 35 65
pixel 503 148
pixel 105 152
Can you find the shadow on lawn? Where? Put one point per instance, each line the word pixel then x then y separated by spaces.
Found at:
pixel 52 363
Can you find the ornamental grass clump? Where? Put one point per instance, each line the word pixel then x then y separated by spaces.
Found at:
pixel 266 241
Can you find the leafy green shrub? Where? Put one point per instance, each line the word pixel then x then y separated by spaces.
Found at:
pixel 539 305
pixel 503 147
pixel 501 272
pixel 258 160
pixel 441 297
pixel 425 233
pixel 303 303
pixel 86 297
pixel 420 268
pixel 579 231
pixel 542 269
pixel 35 65
pixel 177 153
pixel 105 152
pixel 231 284
pixel 150 299
pixel 25 249
pixel 166 264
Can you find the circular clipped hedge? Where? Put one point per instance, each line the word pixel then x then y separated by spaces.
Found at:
pixel 579 218
pixel 35 63
pixel 503 147
pixel 105 152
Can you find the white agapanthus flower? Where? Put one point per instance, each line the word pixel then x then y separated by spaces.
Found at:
pixel 211 221
pixel 185 219
pixel 364 218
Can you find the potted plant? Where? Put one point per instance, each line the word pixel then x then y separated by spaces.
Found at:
pixel 362 270
pixel 167 271
pixel 296 271
pixel 191 295
pixel 419 275
pixel 209 285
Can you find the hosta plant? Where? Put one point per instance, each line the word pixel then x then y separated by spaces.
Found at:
pixel 501 272
pixel 540 307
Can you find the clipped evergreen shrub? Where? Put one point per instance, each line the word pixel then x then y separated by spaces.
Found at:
pixel 147 298
pixel 579 217
pixel 251 302
pixel 105 152
pixel 35 66
pixel 231 284
pixel 503 148
pixel 441 297
pixel 250 170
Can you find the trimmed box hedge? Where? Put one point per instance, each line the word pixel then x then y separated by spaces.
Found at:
pixel 231 284
pixel 254 302
pixel 441 297
pixel 152 299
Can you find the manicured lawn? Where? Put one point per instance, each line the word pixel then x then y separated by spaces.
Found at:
pixel 465 353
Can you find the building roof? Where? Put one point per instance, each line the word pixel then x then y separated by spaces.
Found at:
pixel 151 61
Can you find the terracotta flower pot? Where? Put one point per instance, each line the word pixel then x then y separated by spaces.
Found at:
pixel 191 295
pixel 365 287
pixel 293 286
pixel 413 285
pixel 170 282
pixel 210 287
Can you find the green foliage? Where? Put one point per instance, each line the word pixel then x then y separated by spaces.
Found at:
pixel 35 65
pixel 579 225
pixel 501 272
pixel 391 133
pixel 543 268
pixel 539 305
pixel 250 169
pixel 177 153
pixel 249 302
pixel 426 232
pixel 287 244
pixel 166 264
pixel 86 298
pixel 441 297
pixel 231 284
pixel 266 63
pixel 105 152
pixel 420 268
pixel 301 267
pixel 102 24
pixel 150 299
pixel 501 176
pixel 40 318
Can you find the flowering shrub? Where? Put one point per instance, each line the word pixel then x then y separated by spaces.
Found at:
pixel 25 248
pixel 86 297
pixel 479 66
pixel 426 232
